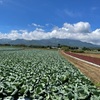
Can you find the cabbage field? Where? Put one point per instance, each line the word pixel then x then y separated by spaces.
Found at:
pixel 34 74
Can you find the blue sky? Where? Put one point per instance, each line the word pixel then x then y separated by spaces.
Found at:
pixel 42 19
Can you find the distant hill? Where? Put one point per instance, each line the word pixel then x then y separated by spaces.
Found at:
pixel 49 42
pixel 4 41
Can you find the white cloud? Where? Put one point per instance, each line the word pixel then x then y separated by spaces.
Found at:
pixel 80 27
pixel 79 31
pixel 36 25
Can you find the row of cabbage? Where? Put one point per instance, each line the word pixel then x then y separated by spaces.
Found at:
pixel 42 75
pixel 9 48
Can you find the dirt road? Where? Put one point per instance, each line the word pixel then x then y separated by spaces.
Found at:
pixel 89 70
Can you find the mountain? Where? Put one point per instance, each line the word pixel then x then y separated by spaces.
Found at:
pixel 49 42
pixel 4 41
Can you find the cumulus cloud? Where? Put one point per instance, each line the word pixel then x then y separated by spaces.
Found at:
pixel 78 31
pixel 80 27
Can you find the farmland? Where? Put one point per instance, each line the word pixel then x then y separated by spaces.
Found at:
pixel 90 70
pixel 42 75
pixel 95 55
pixel 87 58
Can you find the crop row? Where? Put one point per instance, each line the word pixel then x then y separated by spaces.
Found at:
pixel 42 75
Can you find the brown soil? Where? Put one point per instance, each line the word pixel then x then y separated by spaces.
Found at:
pixel 90 55
pixel 90 71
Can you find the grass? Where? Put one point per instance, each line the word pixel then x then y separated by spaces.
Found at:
pixel 97 85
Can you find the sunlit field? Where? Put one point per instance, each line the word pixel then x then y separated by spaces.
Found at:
pixel 42 75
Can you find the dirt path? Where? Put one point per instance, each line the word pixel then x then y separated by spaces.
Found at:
pixel 89 70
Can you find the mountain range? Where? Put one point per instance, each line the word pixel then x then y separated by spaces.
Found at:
pixel 49 42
